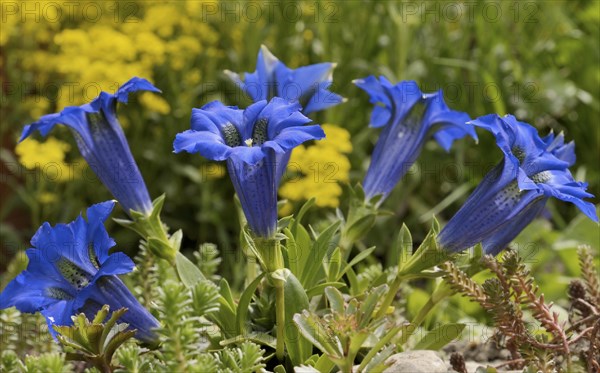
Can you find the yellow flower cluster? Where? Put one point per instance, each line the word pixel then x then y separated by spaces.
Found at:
pixel 317 170
pixel 49 158
pixel 82 48
pixel 34 154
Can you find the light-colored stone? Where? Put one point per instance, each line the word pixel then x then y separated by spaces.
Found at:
pixel 418 361
pixel 472 367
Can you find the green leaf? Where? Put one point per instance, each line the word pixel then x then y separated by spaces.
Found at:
pixel 336 299
pixel 226 317
pixel 581 231
pixel 157 205
pixel 112 321
pixel 356 341
pixel 312 330
pixel 435 225
pixel 225 292
pixel 279 369
pixel 428 255
pixel 298 220
pixel 175 240
pixel 373 358
pixel 188 272
pixel 319 289
pixel 355 288
pixel 403 246
pixel 357 259
pixel 356 229
pixel 439 337
pixel 256 337
pixel 324 364
pixel 298 347
pixel 368 305
pixel 244 304
pixel 116 341
pixel 101 315
pixel 314 263
pixel 292 252
pixel 335 263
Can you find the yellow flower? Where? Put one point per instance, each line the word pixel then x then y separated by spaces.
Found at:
pixel 36 105
pixel 34 154
pixel 155 103
pixel 49 158
pixel 46 198
pixel 286 209
pixel 151 46
pixel 212 171
pixel 337 138
pixel 317 170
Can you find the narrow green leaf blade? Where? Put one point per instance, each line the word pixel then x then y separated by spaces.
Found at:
pixel 244 304
pixel 296 301
pixel 439 337
pixel 317 254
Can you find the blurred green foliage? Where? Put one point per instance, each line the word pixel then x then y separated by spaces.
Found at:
pixel 536 59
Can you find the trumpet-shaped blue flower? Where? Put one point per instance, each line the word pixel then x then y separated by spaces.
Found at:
pixel 516 190
pixel 254 142
pixel 408 118
pixel 102 143
pixel 70 271
pixel 307 85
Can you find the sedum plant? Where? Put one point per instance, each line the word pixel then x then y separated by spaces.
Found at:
pixel 95 341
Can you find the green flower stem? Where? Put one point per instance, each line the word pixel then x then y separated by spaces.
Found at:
pixel 361 218
pixel 442 292
pixel 427 256
pixel 280 318
pixel 389 297
pixel 269 250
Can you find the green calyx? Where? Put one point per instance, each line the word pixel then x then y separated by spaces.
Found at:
pixel 361 217
pixel 151 228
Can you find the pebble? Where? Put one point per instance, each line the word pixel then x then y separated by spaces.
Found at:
pixel 417 361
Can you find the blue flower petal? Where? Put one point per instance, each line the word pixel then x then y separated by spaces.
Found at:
pixel 59 314
pixel 28 291
pixel 292 137
pixel 115 264
pixel 307 84
pixel 133 85
pixel 321 100
pixel 214 116
pixel 102 143
pixel 510 196
pixel 208 144
pixel 408 117
pixel 556 145
pixel 377 89
pixel 494 244
pixel 67 271
pixel 248 154
pixel 256 143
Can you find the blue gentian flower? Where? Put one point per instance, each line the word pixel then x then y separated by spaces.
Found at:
pixel 307 85
pixel 102 143
pixel 254 142
pixel 70 271
pixel 408 118
pixel 516 190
